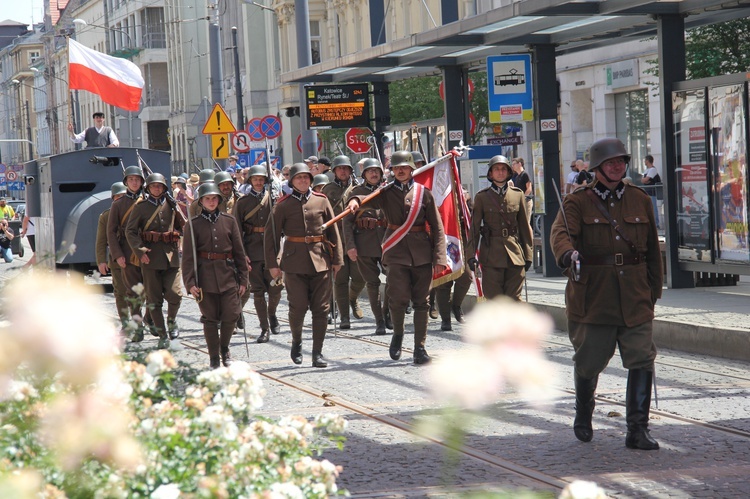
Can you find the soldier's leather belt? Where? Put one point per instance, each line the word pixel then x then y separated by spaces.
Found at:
pixel 259 229
pixel 151 236
pixel 616 259
pixel 370 223
pixel 505 232
pixel 214 256
pixel 414 228
pixel 305 239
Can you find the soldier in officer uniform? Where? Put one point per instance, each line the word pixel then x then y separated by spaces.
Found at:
pixel 153 232
pixel 104 261
pixel 226 185
pixel 363 234
pixel 610 249
pixel 252 212
pixel 212 247
pixel 205 175
pixel 119 248
pixel 307 260
pixel 501 231
pixel 344 293
pixel 410 252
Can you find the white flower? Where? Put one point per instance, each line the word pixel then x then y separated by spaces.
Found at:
pixel 286 490
pixel 166 491
pixel 503 319
pixel 159 361
pixel 581 489
pixel 467 378
pixel 21 390
pixel 138 289
pixel 333 423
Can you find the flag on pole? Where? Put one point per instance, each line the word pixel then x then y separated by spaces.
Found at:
pixel 441 177
pixel 117 81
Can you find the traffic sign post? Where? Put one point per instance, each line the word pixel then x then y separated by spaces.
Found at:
pixel 270 126
pixel 219 146
pixel 254 129
pixel 241 141
pixel 218 122
pixel 509 88
pixel 356 140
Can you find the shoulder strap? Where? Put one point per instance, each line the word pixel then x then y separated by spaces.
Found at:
pixel 603 209
pixel 257 208
pixel 127 213
pixel 153 216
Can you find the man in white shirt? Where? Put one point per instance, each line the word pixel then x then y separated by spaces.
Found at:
pixel 570 183
pixel 97 135
pixel 651 178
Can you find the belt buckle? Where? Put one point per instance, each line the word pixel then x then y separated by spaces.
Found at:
pixel 504 233
pixel 619 259
pixel 211 255
pixel 309 239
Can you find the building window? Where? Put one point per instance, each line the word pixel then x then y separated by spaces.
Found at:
pixel 33 56
pixel 155 35
pixel 632 124
pixel 315 41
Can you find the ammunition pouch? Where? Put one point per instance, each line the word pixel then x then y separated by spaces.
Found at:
pixel 171 237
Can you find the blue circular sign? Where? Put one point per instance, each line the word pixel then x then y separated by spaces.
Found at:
pixel 254 129
pixel 270 126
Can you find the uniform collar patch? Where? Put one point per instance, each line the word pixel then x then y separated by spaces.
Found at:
pixel 501 190
pixel 602 191
pixel 341 183
pixel 405 186
pixel 257 194
pixel 132 195
pixel 300 196
pixel 211 217
pixel 156 201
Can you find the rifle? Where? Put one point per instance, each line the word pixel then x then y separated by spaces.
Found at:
pixel 377 192
pixel 419 145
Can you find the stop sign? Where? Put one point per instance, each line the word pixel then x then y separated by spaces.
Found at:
pixel 356 140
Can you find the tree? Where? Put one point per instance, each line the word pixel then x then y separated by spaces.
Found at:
pixel 718 49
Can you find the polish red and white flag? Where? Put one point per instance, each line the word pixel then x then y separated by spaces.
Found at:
pixel 117 81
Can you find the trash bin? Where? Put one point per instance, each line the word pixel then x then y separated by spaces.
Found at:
pixel 16 245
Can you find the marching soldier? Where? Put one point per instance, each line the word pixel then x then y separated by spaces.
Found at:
pixel 104 264
pixel 609 229
pixel 338 192
pixel 252 213
pixel 363 234
pixel 205 175
pixel 226 185
pixel 153 232
pixel 500 221
pixel 319 181
pixel 215 271
pixel 410 253
pixel 119 248
pixel 308 257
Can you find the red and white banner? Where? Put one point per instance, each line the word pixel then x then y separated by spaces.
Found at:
pixel 117 81
pixel 441 177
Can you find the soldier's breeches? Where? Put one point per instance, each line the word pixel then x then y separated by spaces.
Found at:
pixel 221 307
pixel 503 281
pixel 594 346
pixel 370 271
pixel 162 285
pixel 311 292
pixel 343 290
pixel 120 292
pixel 211 333
pixel 131 275
pixel 407 284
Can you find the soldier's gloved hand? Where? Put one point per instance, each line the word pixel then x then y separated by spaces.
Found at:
pixel 569 257
pixel 472 263
pixel 527 266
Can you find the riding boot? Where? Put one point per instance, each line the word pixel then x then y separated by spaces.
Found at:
pixel 398 334
pixel 387 318
pixel 637 405
pixel 227 330
pixel 213 343
pixel 443 300
pixel 433 305
pixel 373 293
pixel 343 307
pixel 354 302
pixel 274 296
pixel 173 328
pixel 420 336
pixel 585 389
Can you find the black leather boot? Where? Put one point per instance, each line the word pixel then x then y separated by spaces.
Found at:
pixel 458 313
pixel 241 322
pixel 585 389
pixel 356 311
pixel 420 356
pixel 226 357
pixel 274 323
pixel 395 348
pixel 264 337
pixel 445 325
pixel 296 353
pixel 344 322
pixel 380 327
pixel 637 405
pixel 214 362
pixel 387 319
pixel 318 360
pixel 433 305
pixel 173 328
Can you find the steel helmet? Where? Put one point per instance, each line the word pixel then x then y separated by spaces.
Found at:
pixel 209 188
pixel 402 158
pixel 320 179
pixel 298 168
pixel 118 188
pixel 258 171
pixel 222 177
pixel 206 175
pixel 605 149
pixel 156 178
pixel 498 159
pixel 132 170
pixel 417 156
pixel 342 161
pixel 371 163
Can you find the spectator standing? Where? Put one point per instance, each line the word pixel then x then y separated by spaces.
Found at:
pixel 6 210
pixel 653 180
pixel 522 180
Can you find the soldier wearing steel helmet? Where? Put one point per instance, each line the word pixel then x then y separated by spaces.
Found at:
pixel 501 231
pixel 119 249
pixel 153 232
pixel 410 253
pixel 205 175
pixel 348 283
pixel 363 234
pixel 104 261
pixel 308 257
pixel 227 186
pixel 610 230
pixel 319 181
pixel 222 271
pixel 252 212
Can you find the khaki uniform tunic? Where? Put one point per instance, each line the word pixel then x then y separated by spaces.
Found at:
pixel 120 291
pixel 118 243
